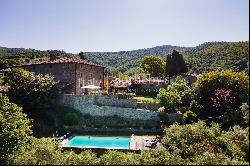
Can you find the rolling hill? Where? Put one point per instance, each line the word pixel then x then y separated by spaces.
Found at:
pixel 205 57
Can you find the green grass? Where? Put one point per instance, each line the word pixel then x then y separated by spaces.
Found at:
pixel 145 99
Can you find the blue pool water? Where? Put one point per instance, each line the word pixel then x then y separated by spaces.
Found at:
pixel 100 142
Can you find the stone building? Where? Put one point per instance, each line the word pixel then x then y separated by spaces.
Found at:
pixel 71 72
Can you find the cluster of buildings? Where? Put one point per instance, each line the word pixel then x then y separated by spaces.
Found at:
pixel 73 73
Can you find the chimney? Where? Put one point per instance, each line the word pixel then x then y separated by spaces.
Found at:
pixel 53 57
pixel 81 55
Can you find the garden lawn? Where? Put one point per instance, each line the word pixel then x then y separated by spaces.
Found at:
pixel 145 99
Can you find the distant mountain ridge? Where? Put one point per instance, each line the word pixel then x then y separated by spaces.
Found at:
pixel 206 56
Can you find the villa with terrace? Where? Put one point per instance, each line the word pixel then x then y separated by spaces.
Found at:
pixel 71 72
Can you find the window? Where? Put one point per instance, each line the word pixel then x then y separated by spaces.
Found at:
pixel 81 66
pixel 90 67
pixel 80 85
pixel 81 74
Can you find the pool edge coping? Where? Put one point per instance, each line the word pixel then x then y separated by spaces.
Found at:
pixel 65 141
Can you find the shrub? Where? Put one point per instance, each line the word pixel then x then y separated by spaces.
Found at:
pixel 178 94
pixel 192 140
pixel 87 157
pixel 160 156
pixel 221 90
pixel 195 107
pixel 141 90
pixel 208 158
pixel 230 118
pixel 163 117
pixel 71 118
pixel 119 158
pixel 38 151
pixel 104 93
pixel 111 88
pixel 186 140
pixel 69 115
pixel 169 100
pixel 45 151
pixel 189 117
pixel 245 112
pixel 34 93
pixel 15 128
pixel 236 143
pixel 222 100
pixel 125 95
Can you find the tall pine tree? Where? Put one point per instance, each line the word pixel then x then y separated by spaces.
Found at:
pixel 175 65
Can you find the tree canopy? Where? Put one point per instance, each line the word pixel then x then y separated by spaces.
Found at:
pixel 221 93
pixel 175 64
pixel 32 92
pixel 15 128
pixel 176 95
pixel 153 65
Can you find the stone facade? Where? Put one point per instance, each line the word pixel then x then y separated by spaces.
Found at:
pixel 61 72
pixel 71 73
pixel 88 75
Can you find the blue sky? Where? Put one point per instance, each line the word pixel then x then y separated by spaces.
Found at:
pixel 115 25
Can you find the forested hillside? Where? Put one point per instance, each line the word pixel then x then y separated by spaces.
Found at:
pixel 14 56
pixel 124 60
pixel 207 56
pixel 219 55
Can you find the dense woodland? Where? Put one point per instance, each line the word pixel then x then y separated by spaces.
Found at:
pixel 205 57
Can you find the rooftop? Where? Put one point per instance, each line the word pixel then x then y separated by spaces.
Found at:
pixel 65 59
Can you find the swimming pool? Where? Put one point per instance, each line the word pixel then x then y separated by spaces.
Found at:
pixel 114 142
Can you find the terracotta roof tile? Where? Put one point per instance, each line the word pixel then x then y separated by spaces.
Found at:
pixel 73 59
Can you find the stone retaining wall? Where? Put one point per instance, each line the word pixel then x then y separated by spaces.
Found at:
pixel 148 106
pixel 107 106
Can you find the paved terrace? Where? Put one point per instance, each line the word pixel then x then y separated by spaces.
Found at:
pixel 139 142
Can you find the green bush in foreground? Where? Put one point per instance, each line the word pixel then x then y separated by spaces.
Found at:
pixel 119 158
pixel 15 128
pixel 161 156
pixel 192 140
pixel 45 151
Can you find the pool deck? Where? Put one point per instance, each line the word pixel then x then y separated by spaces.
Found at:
pixel 136 143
